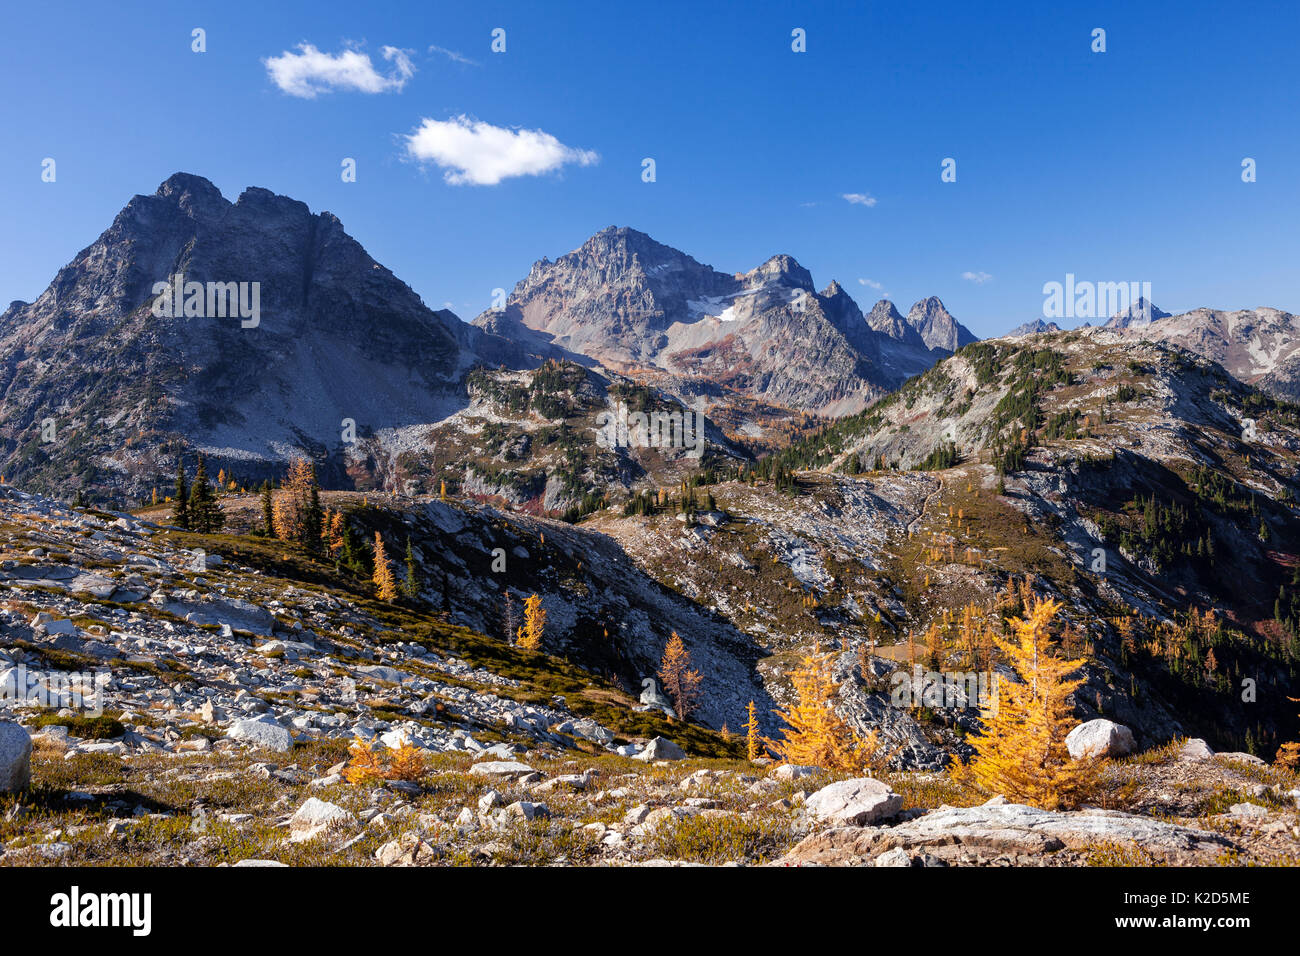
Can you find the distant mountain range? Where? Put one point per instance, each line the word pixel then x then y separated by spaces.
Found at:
pixel 100 384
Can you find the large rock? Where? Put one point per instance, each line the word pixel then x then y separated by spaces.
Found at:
pixel 793 771
pixel 501 768
pixel 587 729
pixel 1234 756
pixel 406 850
pixel 1195 749
pixel 527 810
pixel 15 757
pixel 317 817
pixel 661 748
pixel 384 673
pixel 1099 738
pixel 978 834
pixel 266 734
pixel 856 802
pixel 235 613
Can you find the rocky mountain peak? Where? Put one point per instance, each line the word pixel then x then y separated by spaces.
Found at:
pixel 1141 312
pixel 619 248
pixel 1034 327
pixel 187 184
pixel 937 328
pixel 887 320
pixel 785 271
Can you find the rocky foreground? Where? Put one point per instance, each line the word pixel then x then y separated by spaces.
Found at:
pixel 162 703
pixel 238 805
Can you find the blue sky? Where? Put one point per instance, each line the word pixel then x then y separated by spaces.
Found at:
pixel 1115 166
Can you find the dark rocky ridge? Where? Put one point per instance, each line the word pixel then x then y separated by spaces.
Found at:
pixel 339 337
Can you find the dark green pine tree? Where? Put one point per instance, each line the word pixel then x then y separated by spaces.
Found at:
pixel 205 514
pixel 181 500
pixel 313 518
pixel 268 510
pixel 410 583
pixel 348 557
pixel 356 552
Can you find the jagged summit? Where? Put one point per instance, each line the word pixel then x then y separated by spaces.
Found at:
pixel 936 326
pixel 1141 312
pixel 1035 327
pixel 187 184
pixel 786 271
pixel 888 321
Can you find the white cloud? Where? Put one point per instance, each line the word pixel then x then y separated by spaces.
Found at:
pixel 979 278
pixel 871 284
pixel 860 199
pixel 309 71
pixel 454 56
pixel 477 153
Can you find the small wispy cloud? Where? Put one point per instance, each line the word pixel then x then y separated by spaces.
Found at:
pixel 310 72
pixel 454 56
pixel 979 278
pixel 477 153
pixel 860 199
pixel 871 284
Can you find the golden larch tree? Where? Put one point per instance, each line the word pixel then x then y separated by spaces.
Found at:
pixel 1021 752
pixel 815 734
pixel 284 519
pixel 385 584
pixel 337 525
pixel 291 511
pixel 680 681
pixel 753 740
pixel 364 767
pixel 408 763
pixel 534 629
